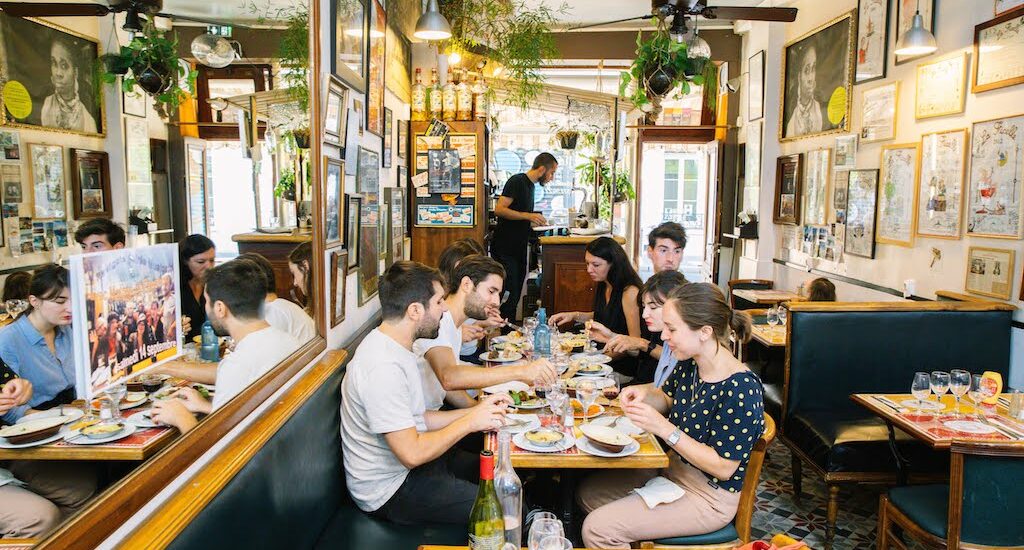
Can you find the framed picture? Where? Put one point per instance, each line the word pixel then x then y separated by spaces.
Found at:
pixel 872 40
pixel 352 138
pixel 375 69
pixel 941 86
pixel 752 158
pixel 348 42
pixel 997 173
pixel 357 106
pixel 998 49
pixel 861 199
pixel 10 182
pixel 897 205
pixel 134 103
pixel 48 181
pixel 233 80
pixel 879 115
pixel 335 112
pixel 403 182
pixel 388 139
pixel 10 145
pixel 368 171
pixel 90 184
pixel 398 219
pixel 354 205
pixel 940 189
pixel 339 280
pixel 369 267
pixel 815 192
pixel 49 78
pixel 788 178
pixel 334 183
pixel 846 153
pixel 444 171
pixel 403 139
pixel 138 159
pixel 1003 6
pixel 840 192
pixel 755 86
pixel 905 10
pixel 989 272
pixel 817 78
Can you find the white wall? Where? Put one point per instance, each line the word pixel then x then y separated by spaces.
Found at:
pixel 955 21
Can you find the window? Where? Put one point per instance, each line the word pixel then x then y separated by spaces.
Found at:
pixel 670 208
pixel 689 191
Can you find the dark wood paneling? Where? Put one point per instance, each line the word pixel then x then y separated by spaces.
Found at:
pixel 565 285
pixel 277 253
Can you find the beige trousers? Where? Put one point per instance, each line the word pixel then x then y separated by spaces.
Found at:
pixel 617 516
pixel 52 491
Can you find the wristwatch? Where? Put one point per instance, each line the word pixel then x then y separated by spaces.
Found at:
pixel 673 437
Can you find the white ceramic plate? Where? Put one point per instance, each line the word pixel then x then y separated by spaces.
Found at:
pixel 566 443
pixel 605 371
pixel 31 427
pixel 55 437
pixel 513 385
pixel 70 414
pixel 486 356
pixel 79 439
pixel 621 423
pixel 532 422
pixel 969 427
pixel 586 446
pixel 592 358
pixel 142 419
pixel 922 405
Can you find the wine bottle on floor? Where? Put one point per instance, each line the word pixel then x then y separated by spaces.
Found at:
pixel 486 523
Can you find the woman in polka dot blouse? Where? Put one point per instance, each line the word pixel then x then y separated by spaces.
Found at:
pixel 709 412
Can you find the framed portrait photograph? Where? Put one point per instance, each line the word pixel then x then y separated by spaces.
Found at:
pixel 996 176
pixel 47 181
pixel 905 10
pixel 348 42
pixel 879 113
pixel 339 282
pixel 817 78
pixel 846 153
pixel 90 184
pixel 354 205
pixel 369 267
pixel 335 111
pixel 403 139
pixel 814 195
pixel 897 204
pixel 990 272
pixel 1003 6
pixel 388 139
pixel 375 69
pixel 368 171
pixel 999 52
pixel 861 200
pixel 334 190
pixel 755 86
pixel 872 40
pixel 940 190
pixel 941 87
pixel 788 179
pixel 50 78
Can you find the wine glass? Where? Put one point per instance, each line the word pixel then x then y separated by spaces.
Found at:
pixel 555 543
pixel 976 393
pixel 556 403
pixel 939 383
pixel 587 392
pixel 529 324
pixel 116 394
pixel 959 383
pixel 773 316
pixel 782 313
pixel 543 528
pixel 921 388
pixel 609 387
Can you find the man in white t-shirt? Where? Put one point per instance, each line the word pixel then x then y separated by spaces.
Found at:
pixel 281 313
pixel 234 300
pixel 400 463
pixel 474 287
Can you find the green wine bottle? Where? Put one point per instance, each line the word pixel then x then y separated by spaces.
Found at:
pixel 486 526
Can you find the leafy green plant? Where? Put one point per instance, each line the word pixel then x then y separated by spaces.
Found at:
pixel 623 186
pixel 662 53
pixel 293 50
pixel 150 61
pixel 285 187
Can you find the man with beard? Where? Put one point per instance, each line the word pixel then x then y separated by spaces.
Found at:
pixel 400 464
pixel 234 299
pixel 474 288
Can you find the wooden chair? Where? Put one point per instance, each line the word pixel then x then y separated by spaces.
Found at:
pixel 738 532
pixel 979 508
pixel 747 284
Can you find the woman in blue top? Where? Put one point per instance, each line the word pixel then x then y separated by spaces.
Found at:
pixel 710 415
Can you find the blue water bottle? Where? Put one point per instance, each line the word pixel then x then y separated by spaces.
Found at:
pixel 542 335
pixel 210 350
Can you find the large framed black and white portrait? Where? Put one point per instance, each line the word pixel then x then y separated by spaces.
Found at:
pixel 49 78
pixel 817 75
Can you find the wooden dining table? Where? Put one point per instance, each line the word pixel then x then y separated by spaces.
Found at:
pixel 766 296
pixel 769 336
pixel 139 446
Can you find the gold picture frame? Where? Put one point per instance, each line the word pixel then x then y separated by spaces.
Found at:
pixel 946 86
pixel 978 271
pixel 932 172
pixel 910 191
pixel 1010 48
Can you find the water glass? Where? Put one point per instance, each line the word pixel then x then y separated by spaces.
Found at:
pixel 921 387
pixel 116 394
pixel 773 316
pixel 1016 408
pixel 959 383
pixel 939 382
pixel 587 392
pixel 782 314
pixel 543 528
pixel 555 543
pixel 976 393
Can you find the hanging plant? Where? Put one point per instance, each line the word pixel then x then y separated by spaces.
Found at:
pixel 661 65
pixel 150 61
pixel 567 138
pixel 285 187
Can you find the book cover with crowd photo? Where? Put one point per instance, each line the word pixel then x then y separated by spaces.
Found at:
pixel 127 314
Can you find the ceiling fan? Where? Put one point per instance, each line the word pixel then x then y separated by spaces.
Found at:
pixel 135 11
pixel 681 10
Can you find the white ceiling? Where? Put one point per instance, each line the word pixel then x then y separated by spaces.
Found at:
pixel 582 12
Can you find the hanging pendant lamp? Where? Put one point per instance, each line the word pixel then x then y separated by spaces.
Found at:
pixel 432 25
pixel 918 40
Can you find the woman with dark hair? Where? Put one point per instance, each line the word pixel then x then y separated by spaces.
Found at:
pixel 16 286
pixel 300 262
pixel 710 414
pixel 615 299
pixel 821 290
pixel 195 255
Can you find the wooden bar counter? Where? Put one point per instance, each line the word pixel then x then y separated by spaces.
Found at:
pixel 275 247
pixel 565 285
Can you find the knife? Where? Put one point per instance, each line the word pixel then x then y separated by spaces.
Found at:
pixel 888 403
pixel 999 428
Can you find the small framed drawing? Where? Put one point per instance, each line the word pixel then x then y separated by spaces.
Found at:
pixel 897 204
pixel 989 272
pixel 814 195
pixel 879 113
pixel 905 10
pixel 334 183
pixel 335 112
pixel 755 86
pixel 840 191
pixel 354 203
pixel 90 184
pixel 861 199
pixel 1003 6
pixel 339 280
pixel 941 87
pixel 47 180
pixel 388 139
pixel 846 153
pixel 999 51
pixel 996 176
pixel 368 171
pixel 940 189
pixel 403 139
pixel 788 179
pixel 872 40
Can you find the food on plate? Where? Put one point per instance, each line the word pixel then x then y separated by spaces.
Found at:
pixel 590 368
pixel 83 423
pixel 606 438
pixel 518 397
pixel 34 430
pixel 99 431
pixel 502 355
pixel 577 409
pixel 203 391
pixel 515 336
pixel 544 437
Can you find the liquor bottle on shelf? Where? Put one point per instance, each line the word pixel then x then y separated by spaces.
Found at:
pixel 510 490
pixel 463 99
pixel 479 99
pixel 486 523
pixel 419 98
pixel 435 99
pixel 448 93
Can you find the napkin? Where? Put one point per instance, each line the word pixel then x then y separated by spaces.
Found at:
pixel 659 491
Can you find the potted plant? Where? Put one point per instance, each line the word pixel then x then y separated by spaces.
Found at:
pixel 150 61
pixel 567 138
pixel 301 137
pixel 285 187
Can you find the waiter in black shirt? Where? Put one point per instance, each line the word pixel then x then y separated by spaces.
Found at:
pixel 516 217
